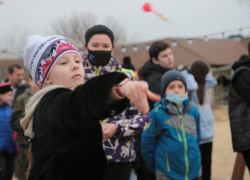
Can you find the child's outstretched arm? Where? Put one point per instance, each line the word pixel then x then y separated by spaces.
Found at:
pixel 98 99
pixel 149 140
pixel 137 92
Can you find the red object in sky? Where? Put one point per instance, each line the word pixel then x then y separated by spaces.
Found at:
pixel 148 8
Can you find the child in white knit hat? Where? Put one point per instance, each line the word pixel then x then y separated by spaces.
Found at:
pixel 62 118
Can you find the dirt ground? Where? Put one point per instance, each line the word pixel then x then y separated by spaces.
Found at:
pixel 223 156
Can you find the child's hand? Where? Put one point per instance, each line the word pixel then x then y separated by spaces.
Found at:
pixel 108 131
pixel 137 92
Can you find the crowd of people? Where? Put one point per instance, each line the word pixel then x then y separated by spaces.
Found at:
pixel 95 118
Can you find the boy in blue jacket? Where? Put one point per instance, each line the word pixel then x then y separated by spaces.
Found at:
pixel 170 147
pixel 8 147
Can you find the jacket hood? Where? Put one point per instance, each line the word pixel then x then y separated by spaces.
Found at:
pixel 151 68
pixel 243 61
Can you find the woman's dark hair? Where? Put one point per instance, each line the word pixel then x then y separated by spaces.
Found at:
pixel 200 69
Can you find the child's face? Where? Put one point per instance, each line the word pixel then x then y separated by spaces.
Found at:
pixel 6 97
pixel 68 71
pixel 176 87
pixel 99 42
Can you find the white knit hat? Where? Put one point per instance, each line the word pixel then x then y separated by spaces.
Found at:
pixel 42 53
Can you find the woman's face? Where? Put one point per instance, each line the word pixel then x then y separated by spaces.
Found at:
pixel 176 87
pixel 6 98
pixel 99 42
pixel 68 71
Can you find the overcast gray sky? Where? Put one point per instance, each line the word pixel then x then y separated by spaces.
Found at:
pixel 187 18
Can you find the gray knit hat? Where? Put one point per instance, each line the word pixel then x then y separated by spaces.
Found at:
pixel 170 76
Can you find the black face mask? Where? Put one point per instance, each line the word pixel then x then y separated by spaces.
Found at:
pixel 99 58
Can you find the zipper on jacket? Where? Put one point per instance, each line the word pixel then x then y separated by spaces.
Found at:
pixel 168 166
pixel 185 143
pixel 178 134
pixel 156 109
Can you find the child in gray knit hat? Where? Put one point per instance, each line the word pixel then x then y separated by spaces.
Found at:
pixel 170 146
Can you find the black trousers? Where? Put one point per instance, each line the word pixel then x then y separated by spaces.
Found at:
pixel 246 155
pixel 118 171
pixel 143 172
pixel 206 160
pixel 6 166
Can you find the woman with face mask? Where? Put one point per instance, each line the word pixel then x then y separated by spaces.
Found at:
pixel 8 147
pixel 118 131
pixel 200 70
pixel 170 146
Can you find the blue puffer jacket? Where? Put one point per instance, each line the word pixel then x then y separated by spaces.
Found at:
pixel 7 143
pixel 170 146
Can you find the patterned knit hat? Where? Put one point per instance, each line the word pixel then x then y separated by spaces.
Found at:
pixel 42 53
pixel 4 88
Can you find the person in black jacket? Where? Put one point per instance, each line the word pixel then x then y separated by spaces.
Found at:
pixel 62 118
pixel 161 60
pixel 239 104
pixel 127 63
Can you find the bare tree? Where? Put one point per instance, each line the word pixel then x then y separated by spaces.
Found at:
pixel 14 43
pixel 119 31
pixel 74 27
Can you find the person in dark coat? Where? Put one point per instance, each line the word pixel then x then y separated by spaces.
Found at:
pixel 239 104
pixel 23 142
pixel 127 63
pixel 62 118
pixel 161 60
